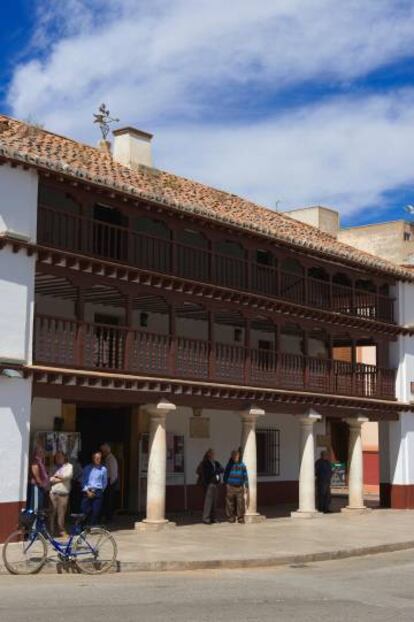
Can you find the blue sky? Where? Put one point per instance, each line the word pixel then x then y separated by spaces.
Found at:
pixel 298 102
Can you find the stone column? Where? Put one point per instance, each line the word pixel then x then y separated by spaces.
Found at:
pixel 307 507
pixel 356 467
pixel 249 449
pixel 157 466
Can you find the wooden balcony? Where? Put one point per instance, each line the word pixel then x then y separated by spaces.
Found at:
pixel 87 236
pixel 69 343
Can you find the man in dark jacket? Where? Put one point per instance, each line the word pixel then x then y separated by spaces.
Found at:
pixel 323 472
pixel 236 480
pixel 209 473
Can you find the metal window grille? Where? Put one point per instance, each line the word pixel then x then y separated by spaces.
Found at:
pixel 268 451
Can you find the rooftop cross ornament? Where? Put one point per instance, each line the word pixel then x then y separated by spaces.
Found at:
pixel 103 118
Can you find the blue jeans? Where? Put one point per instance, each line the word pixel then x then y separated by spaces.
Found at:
pixel 92 506
pixel 36 498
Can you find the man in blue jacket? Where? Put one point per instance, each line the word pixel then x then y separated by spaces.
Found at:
pixel 94 482
pixel 236 480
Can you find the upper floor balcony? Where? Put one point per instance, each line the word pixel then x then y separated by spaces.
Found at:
pixel 225 264
pixel 98 346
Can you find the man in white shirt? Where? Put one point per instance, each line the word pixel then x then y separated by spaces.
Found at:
pixel 111 464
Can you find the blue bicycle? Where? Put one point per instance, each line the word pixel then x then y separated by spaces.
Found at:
pixel 92 550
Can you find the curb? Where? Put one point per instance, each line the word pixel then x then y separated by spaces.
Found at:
pixel 223 564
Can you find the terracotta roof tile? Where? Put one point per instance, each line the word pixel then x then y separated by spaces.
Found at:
pixel 26 143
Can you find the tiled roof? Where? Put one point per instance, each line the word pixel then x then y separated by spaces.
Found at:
pixel 27 143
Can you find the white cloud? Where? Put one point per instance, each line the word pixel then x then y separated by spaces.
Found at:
pixel 167 66
pixel 342 154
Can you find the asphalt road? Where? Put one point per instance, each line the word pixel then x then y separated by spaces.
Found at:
pixel 376 588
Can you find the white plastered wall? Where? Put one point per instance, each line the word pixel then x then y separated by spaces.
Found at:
pixel 44 411
pixel 18 212
pixel 15 398
pixel 396 438
pixel 225 435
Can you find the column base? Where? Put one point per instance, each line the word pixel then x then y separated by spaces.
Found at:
pixel 254 518
pixel 153 525
pixel 305 514
pixel 361 510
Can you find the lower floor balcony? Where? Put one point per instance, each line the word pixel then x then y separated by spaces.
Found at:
pixel 102 347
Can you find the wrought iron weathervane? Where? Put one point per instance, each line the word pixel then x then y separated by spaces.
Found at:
pixel 104 120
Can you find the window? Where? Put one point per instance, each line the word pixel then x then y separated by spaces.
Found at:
pixel 268 451
pixel 407 236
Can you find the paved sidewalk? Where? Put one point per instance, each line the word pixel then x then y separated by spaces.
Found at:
pixel 273 542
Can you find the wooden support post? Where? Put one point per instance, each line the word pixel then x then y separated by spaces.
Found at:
pixel 354 378
pixel 211 347
pixel 331 381
pixel 276 350
pixel 305 350
pixel 174 253
pixel 129 335
pixel 80 328
pixel 173 343
pixel 212 262
pixel 247 351
pixel 249 273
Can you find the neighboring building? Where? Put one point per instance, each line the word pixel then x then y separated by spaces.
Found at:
pixel 392 240
pixel 167 317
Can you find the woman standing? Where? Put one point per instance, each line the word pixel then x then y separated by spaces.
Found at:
pixel 38 479
pixel 61 482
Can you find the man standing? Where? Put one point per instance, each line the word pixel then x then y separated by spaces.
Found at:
pixel 210 474
pixel 111 464
pixel 94 482
pixel 236 480
pixel 323 472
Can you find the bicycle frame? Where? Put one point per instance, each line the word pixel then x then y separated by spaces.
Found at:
pixel 62 548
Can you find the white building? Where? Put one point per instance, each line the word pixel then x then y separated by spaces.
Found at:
pixel 167 317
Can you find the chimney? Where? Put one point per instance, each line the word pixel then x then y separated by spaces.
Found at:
pixel 323 218
pixel 132 147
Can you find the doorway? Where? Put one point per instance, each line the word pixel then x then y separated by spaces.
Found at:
pixel 112 425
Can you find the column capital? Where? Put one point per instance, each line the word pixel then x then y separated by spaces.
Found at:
pixel 250 414
pixel 160 409
pixel 356 422
pixel 310 417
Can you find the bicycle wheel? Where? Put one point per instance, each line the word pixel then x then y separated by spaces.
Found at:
pixel 24 552
pixel 95 551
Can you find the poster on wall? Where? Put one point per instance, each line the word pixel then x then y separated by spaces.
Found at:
pixel 199 427
pixel 67 442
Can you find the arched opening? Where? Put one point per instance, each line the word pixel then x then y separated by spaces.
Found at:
pixel 263 351
pixel 151 244
pixel 365 298
pixel 318 365
pixel 291 360
pixel 342 293
pixel 230 339
pixel 340 278
pixel 319 273
pixel 318 287
pixel 318 344
pixel 264 275
pixel 292 282
pixel 110 234
pixel 58 220
pixel 230 264
pixel 291 339
pixel 192 255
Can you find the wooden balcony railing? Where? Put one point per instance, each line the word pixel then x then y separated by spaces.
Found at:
pixel 91 237
pixel 69 343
